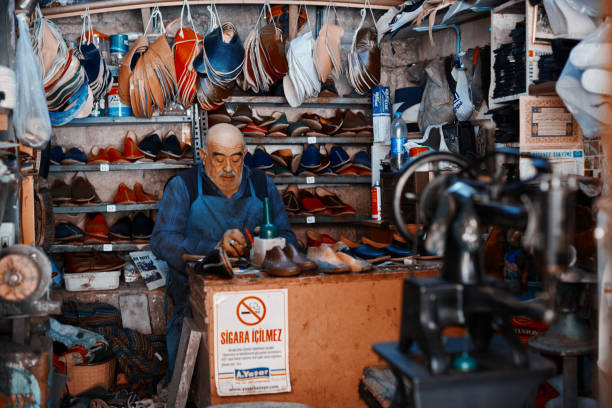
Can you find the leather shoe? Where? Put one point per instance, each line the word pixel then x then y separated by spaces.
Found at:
pixel 142 227
pixel 66 232
pixel 315 238
pixel 327 260
pixel 81 190
pixel 60 191
pixel 277 263
pixel 124 195
pixel 171 146
pixel 142 196
pixel 97 155
pixel 80 262
pixel 299 259
pixel 356 264
pixel 121 230
pixel 96 228
pixel 150 145
pixel 216 263
pixel 130 148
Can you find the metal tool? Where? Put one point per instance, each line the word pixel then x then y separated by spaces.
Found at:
pixel 462 199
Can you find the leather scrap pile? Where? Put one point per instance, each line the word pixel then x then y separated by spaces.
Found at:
pixel 65 81
pixel 147 77
pixel 264 61
pixel 99 76
pixel 364 58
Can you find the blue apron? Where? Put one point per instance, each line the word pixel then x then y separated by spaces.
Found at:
pixel 209 217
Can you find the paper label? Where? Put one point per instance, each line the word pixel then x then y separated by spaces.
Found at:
pixel 310 219
pixel 310 180
pixel 104 167
pixel 111 208
pixel 312 139
pixel 107 247
pixel 251 342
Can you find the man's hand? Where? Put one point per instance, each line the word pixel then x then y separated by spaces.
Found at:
pixel 234 243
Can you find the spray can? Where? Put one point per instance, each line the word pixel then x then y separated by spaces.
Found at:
pixel 376 202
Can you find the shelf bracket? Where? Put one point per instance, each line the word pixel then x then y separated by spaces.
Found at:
pixel 443 27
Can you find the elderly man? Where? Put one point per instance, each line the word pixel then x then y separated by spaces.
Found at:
pixel 208 206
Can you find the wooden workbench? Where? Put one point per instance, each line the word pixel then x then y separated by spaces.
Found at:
pixel 333 322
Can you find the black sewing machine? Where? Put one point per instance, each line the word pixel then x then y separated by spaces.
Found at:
pixel 454 208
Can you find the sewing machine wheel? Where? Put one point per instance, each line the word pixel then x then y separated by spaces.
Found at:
pixel 437 163
pixel 25 273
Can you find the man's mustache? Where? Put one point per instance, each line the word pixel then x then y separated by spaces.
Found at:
pixel 227 174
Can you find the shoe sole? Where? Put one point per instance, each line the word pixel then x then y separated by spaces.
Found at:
pixel 172 155
pixel 70 161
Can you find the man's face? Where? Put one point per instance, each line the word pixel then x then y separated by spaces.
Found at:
pixel 223 164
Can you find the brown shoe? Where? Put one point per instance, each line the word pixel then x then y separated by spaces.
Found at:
pixel 299 259
pixel 326 259
pixel 142 196
pixel 276 263
pixel 81 190
pixel 357 265
pixel 60 191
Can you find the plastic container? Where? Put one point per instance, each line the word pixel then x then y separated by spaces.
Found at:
pixel 399 136
pixel 116 108
pixel 76 282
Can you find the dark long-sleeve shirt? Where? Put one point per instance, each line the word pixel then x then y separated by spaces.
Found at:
pixel 169 241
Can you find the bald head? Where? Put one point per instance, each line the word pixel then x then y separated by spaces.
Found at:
pixel 223 157
pixel 225 135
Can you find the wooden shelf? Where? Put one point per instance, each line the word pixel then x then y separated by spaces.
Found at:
pixel 105 208
pixel 118 247
pixel 99 167
pixel 106 6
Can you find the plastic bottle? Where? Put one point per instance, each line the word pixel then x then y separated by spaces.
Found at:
pixel 399 136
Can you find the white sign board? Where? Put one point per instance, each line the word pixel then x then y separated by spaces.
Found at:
pixel 251 344
pixel 563 162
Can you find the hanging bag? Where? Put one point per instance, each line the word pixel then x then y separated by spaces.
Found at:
pixel 30 117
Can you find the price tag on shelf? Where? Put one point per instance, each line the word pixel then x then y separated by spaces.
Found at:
pixel 310 180
pixel 111 208
pixel 107 247
pixel 312 139
pixel 310 219
pixel 104 167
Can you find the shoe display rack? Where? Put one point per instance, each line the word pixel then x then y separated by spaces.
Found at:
pixel 503 20
pixel 314 104
pixel 191 118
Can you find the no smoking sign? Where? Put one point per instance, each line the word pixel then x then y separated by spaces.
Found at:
pixel 251 310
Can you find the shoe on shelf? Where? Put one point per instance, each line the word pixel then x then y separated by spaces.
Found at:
pixel 362 160
pixel 121 230
pixel 311 157
pixel 220 115
pixel 328 89
pixel 142 227
pixel 171 146
pixel 280 124
pixel 67 232
pixel 130 147
pixel 81 190
pixel 249 161
pixel 262 159
pixel 60 192
pixel 57 155
pixel 277 263
pixel 312 120
pixel 115 156
pixel 150 145
pixel 315 238
pixel 346 210
pixel 142 196
pixel 242 114
pixel 187 152
pixel 330 200
pixel 97 155
pixel 310 202
pixel 96 227
pixel 74 156
pixel 290 199
pixel 253 130
pixel 124 195
pixel 296 129
pixel 283 157
pixel 349 171
pixel 339 158
pixel 299 259
pixel 280 170
pixel 327 260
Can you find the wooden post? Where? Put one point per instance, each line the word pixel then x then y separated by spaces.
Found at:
pixel 178 390
pixel 293 21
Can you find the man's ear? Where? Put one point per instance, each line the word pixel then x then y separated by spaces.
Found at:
pixel 203 154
